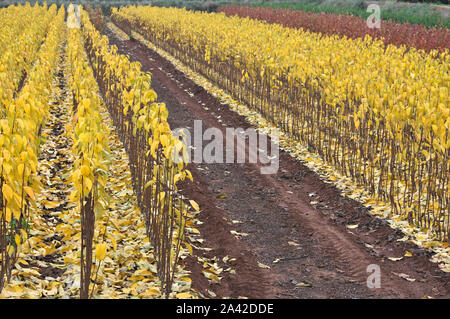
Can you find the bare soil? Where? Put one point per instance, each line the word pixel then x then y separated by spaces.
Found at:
pixel 310 251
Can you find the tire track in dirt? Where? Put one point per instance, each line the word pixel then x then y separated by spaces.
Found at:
pixel 292 217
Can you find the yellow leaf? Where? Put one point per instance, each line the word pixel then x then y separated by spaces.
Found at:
pixel 8 214
pixel 73 196
pixel 15 288
pixel 195 205
pixel 189 175
pixel 113 241
pixel 148 184
pixel 20 169
pixel 84 138
pixel 29 191
pixel 17 213
pixel 195 230
pixel 183 295
pixel 189 248
pixel 100 251
pixel 23 234
pixel 210 276
pixel 433 244
pixel 88 184
pixel 49 204
pixel 23 262
pixel 17 240
pixel 10 250
pixel 85 171
pixel 152 292
pixel 7 192
pixel 163 138
pixel 261 265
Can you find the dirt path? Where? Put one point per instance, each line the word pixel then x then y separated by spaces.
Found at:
pixel 296 223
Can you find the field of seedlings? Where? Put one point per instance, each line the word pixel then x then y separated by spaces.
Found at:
pixel 160 152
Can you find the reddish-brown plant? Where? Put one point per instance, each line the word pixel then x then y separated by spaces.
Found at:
pixel 410 35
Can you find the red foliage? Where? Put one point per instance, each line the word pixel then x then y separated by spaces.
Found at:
pixel 410 35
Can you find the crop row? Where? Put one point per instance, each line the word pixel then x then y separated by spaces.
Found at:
pixel 20 125
pixel 379 115
pixel 409 35
pixel 18 57
pixel 14 20
pixel 157 157
pixel 90 144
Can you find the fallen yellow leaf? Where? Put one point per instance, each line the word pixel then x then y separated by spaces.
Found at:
pixel 195 205
pixel 183 295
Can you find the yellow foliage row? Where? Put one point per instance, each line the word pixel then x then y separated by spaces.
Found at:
pixel 137 98
pixel 158 157
pixel 91 145
pixel 19 135
pixel 20 52
pixel 408 88
pixel 14 21
pixel 89 134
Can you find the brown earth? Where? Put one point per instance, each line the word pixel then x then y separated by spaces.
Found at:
pixel 310 251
